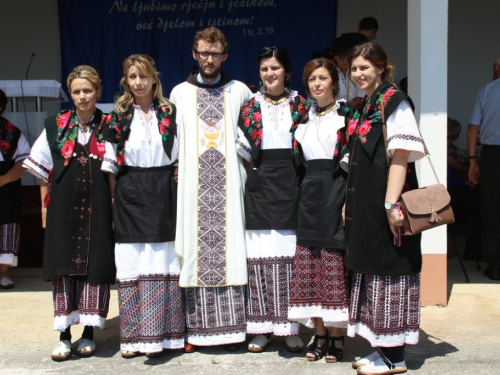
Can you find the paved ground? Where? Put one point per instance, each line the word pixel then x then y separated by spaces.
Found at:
pixel 462 338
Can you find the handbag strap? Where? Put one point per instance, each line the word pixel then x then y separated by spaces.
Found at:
pixel 384 127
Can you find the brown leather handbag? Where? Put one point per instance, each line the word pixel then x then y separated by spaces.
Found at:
pixel 427 207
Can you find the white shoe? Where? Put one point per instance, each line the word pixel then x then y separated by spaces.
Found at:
pixel 364 361
pixel 86 348
pixel 62 352
pixel 380 367
pixel 258 344
pixel 294 344
pixel 6 283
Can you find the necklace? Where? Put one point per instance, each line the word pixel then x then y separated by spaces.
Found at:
pixel 85 127
pixel 275 104
pixel 319 117
pixel 321 111
pixel 276 99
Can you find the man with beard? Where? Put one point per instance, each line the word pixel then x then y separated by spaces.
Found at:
pixel 210 235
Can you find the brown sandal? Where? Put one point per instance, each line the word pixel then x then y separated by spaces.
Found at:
pixel 316 350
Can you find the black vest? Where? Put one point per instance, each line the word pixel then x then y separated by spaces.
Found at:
pixel 11 194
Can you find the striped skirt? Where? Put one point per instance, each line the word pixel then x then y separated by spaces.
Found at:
pixel 385 310
pixel 215 315
pixel 319 287
pixel 151 314
pixel 79 302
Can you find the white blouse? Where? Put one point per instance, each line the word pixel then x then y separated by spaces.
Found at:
pixel 144 147
pixel 276 125
pixel 402 133
pixel 40 161
pixel 318 137
pixel 22 150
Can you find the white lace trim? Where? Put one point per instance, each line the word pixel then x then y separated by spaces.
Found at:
pixel 337 318
pixel 142 347
pixel 277 329
pixel 63 322
pixel 387 341
pixel 216 339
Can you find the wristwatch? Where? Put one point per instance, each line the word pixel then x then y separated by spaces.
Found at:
pixel 389 206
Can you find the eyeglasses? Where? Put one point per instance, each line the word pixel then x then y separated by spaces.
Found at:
pixel 205 54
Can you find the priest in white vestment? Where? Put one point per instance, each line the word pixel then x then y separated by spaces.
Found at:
pixel 210 237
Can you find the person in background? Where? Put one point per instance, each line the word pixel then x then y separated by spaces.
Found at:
pixel 368 26
pixel 14 148
pixel 384 305
pixel 347 88
pixel 464 194
pixel 76 213
pixel 271 198
pixel 318 290
pixel 367 31
pixel 141 151
pixel 210 217
pixel 403 85
pixel 486 172
pixel 457 169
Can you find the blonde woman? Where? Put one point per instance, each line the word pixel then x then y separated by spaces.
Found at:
pixel 141 148
pixel 76 214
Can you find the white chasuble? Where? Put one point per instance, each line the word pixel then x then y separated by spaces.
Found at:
pixel 210 235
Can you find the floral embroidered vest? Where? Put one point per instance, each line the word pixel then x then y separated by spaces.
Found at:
pixel 117 129
pixel 250 121
pixel 9 136
pixel 62 135
pixel 365 121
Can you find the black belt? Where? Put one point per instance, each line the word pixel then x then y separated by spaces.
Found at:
pixel 491 147
pixel 127 168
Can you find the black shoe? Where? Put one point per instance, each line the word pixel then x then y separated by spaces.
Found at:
pixel 492 273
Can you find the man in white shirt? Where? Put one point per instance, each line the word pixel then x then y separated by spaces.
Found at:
pixel 486 117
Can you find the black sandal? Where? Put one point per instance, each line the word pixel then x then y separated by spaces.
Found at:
pixel 335 352
pixel 318 351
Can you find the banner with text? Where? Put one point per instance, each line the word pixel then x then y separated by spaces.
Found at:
pixel 102 33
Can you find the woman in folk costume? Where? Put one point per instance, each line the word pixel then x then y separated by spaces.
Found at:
pixel 141 149
pixel 384 303
pixel 14 148
pixel 318 291
pixel 271 198
pixel 76 213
